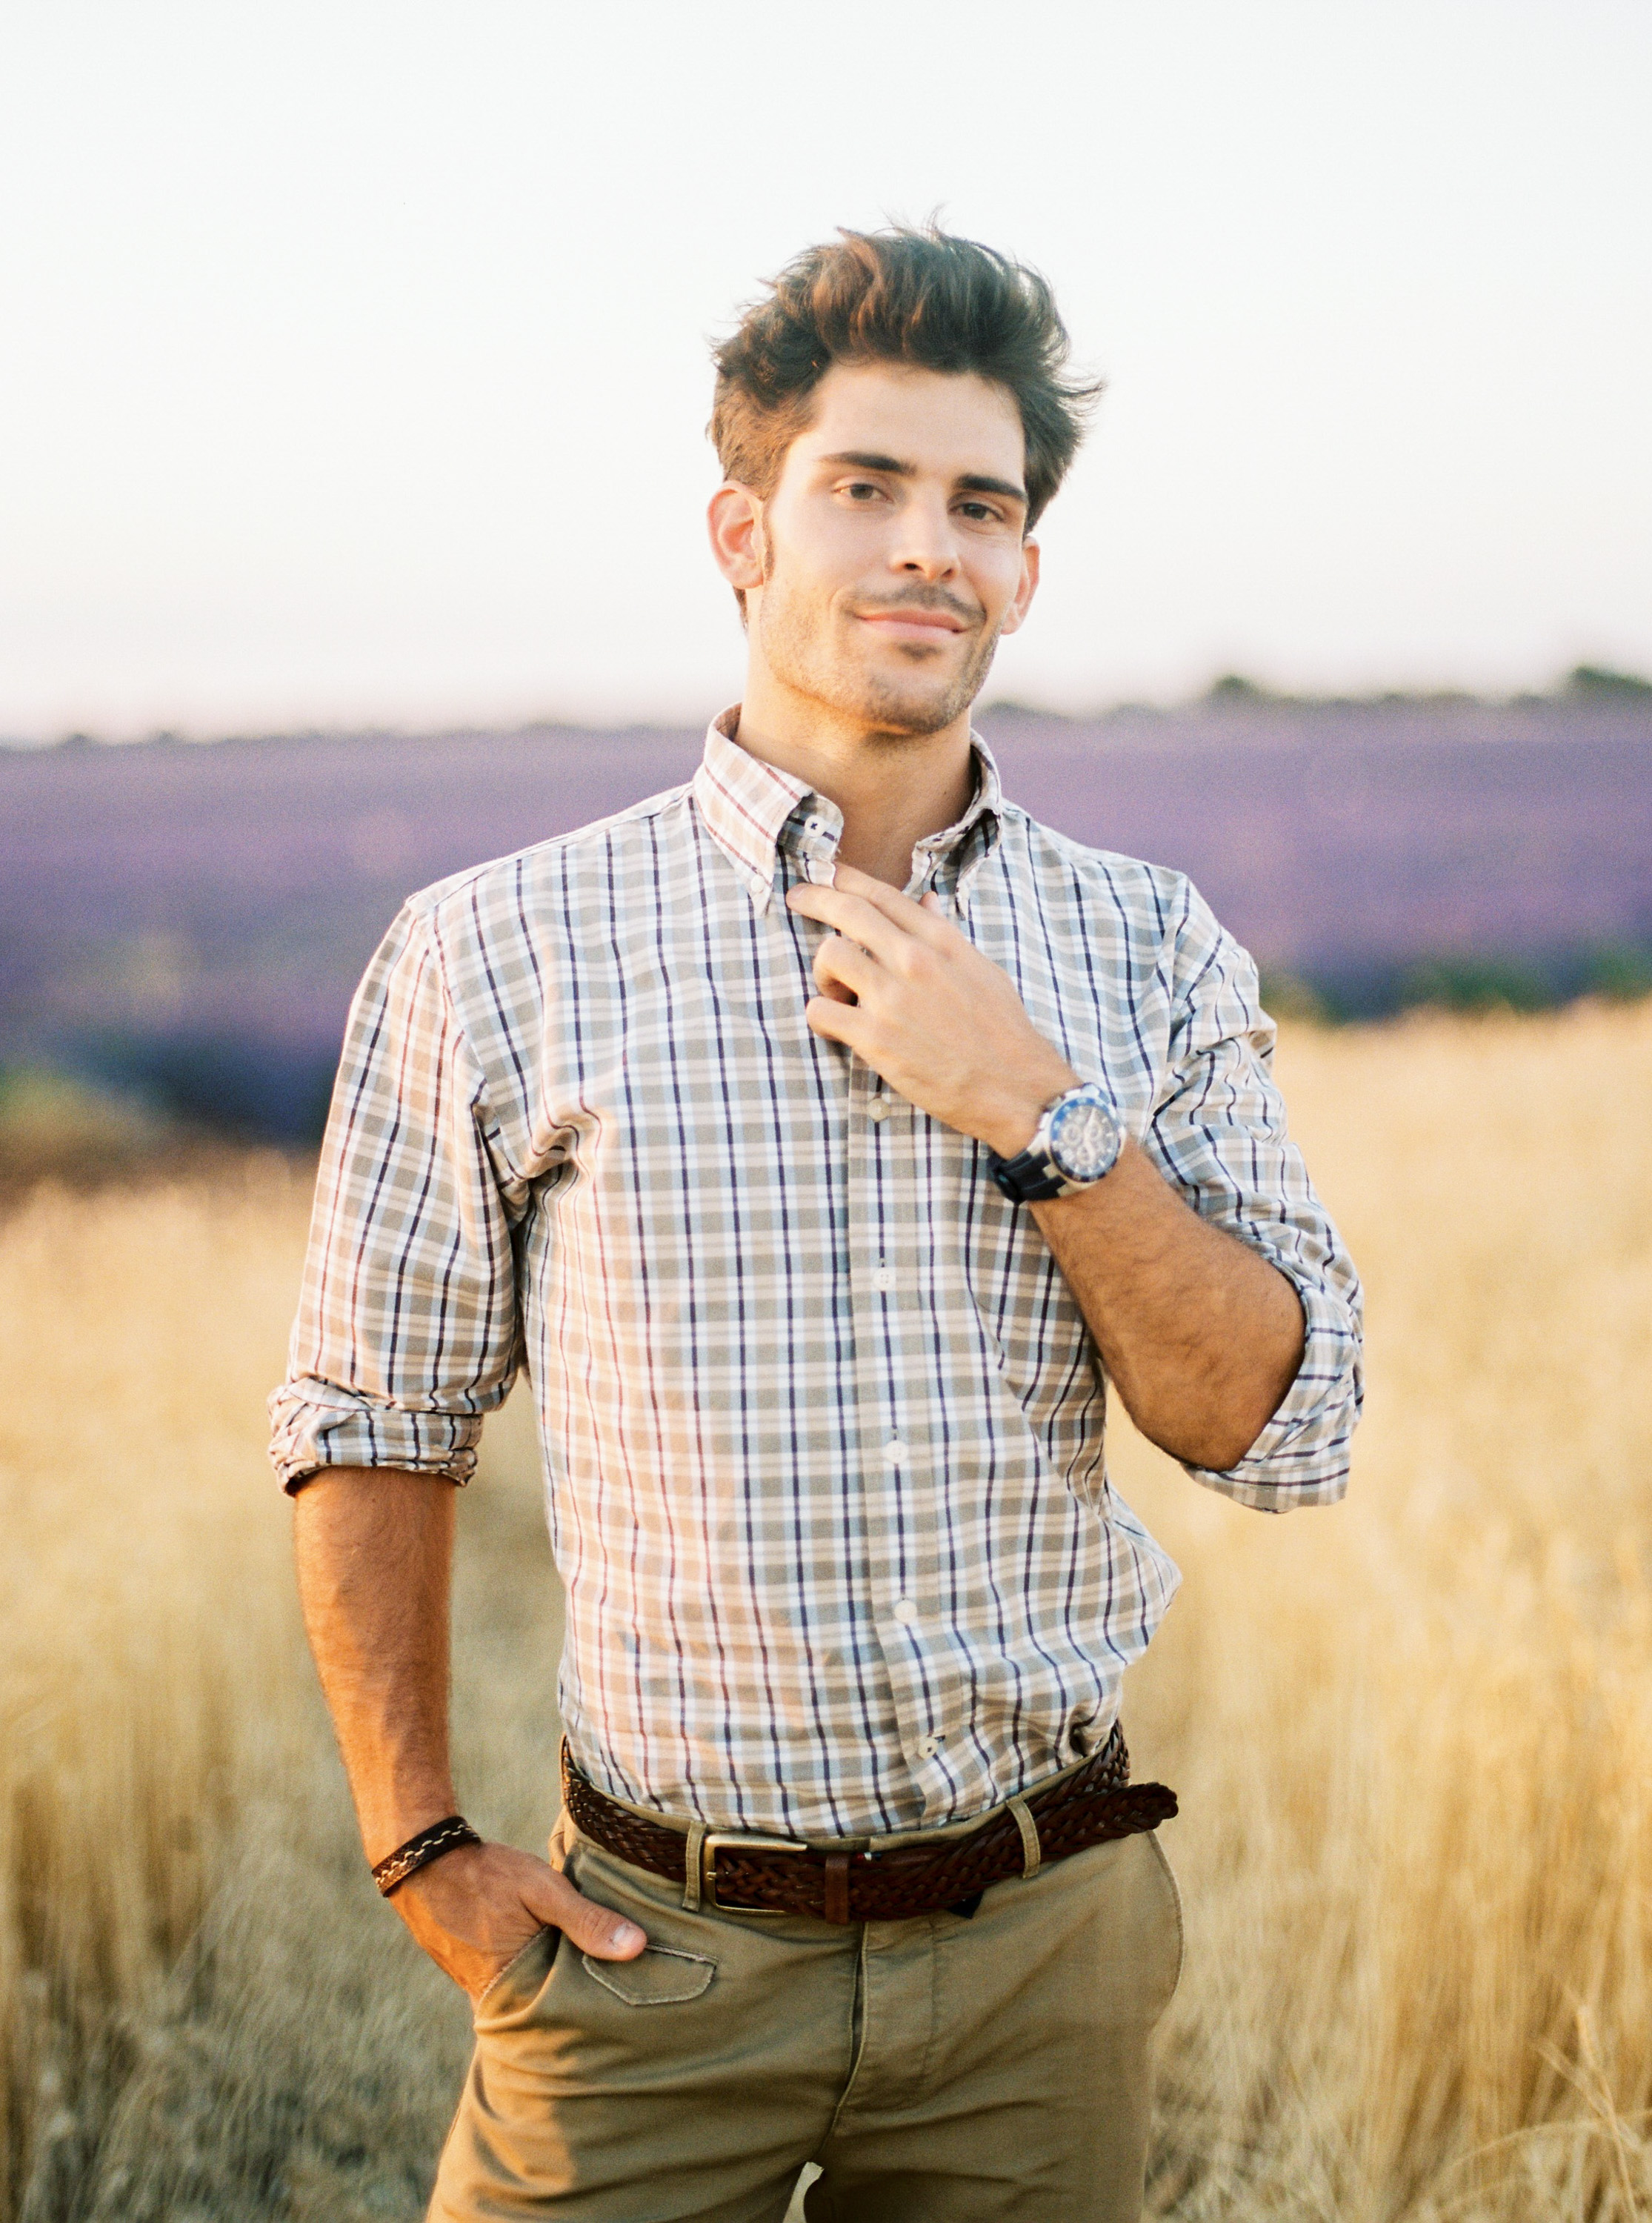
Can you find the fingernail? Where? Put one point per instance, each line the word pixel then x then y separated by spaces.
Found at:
pixel 626 1934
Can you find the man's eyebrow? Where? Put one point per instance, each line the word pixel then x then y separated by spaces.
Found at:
pixel 862 459
pixel 976 483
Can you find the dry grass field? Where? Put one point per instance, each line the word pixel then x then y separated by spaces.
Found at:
pixel 1413 1737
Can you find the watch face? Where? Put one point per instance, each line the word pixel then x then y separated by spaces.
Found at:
pixel 1083 1139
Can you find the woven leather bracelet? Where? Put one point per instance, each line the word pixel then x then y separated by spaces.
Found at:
pixel 445 1836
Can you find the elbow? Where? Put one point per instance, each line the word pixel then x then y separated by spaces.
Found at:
pixel 1223 1430
pixel 1235 1422
pixel 1214 1409
pixel 1223 1456
pixel 1219 1449
pixel 1216 1442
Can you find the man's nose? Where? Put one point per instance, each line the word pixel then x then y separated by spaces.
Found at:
pixel 926 545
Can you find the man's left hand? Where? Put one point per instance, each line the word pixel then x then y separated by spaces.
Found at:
pixel 1199 1333
pixel 914 997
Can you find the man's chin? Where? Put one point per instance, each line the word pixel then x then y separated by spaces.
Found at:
pixel 909 712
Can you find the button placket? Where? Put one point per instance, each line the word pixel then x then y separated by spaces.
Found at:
pixel 869 1239
pixel 905 1516
pixel 894 1363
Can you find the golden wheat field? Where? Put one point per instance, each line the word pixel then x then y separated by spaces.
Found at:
pixel 1412 1736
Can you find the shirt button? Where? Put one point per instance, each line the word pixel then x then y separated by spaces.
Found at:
pixel 930 1746
pixel 883 1278
pixel 905 1611
pixel 879 1108
pixel 894 1451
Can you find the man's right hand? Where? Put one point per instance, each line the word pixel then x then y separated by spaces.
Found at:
pixel 474 1908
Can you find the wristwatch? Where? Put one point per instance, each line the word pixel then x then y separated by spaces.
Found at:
pixel 1076 1142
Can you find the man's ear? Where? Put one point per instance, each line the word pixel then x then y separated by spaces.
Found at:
pixel 1022 601
pixel 734 521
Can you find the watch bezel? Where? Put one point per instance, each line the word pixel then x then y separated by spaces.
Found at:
pixel 1087 1097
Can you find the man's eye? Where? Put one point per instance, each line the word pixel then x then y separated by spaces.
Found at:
pixel 863 490
pixel 981 512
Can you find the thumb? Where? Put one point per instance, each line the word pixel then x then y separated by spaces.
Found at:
pixel 595 1930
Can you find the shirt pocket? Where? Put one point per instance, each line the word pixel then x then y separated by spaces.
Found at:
pixel 660 1976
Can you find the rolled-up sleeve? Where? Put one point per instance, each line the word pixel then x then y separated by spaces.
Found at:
pixel 407 1332
pixel 1219 1132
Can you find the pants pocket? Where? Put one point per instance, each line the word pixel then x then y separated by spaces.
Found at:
pixel 660 1976
pixel 510 1997
pixel 1168 1873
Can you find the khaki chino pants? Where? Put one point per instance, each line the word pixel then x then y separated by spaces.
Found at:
pixel 934 2068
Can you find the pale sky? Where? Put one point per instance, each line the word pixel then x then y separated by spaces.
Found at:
pixel 353 356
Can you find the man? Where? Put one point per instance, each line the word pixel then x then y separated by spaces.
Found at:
pixel 821 1136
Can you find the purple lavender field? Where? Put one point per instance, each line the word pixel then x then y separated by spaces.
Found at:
pixel 188 921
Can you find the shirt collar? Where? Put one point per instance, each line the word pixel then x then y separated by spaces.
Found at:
pixel 752 810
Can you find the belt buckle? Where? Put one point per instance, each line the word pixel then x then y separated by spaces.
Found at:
pixel 747 1842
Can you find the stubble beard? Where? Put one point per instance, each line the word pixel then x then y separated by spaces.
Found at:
pixel 799 648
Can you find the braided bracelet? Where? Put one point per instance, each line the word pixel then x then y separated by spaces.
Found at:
pixel 444 1836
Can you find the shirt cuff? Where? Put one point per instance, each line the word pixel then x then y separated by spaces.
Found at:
pixel 1301 1457
pixel 316 1425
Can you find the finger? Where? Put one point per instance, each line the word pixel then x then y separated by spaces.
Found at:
pixel 841 964
pixel 853 917
pixel 839 1022
pixel 921 918
pixel 595 1930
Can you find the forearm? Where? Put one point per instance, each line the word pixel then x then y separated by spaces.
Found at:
pixel 375 1559
pixel 375 1549
pixel 1201 1336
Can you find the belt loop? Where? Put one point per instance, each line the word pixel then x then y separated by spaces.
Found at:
pixel 1032 1851
pixel 692 1877
pixel 837 1888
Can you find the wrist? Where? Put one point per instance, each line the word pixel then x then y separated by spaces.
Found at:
pixel 1019 1104
pixel 452 1834
pixel 1076 1143
pixel 398 1819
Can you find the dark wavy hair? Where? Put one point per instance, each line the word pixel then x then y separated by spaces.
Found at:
pixel 907 295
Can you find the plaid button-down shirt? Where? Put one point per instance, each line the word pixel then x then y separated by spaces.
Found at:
pixel 822 1424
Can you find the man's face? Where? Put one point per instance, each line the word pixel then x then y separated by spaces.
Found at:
pixel 891 549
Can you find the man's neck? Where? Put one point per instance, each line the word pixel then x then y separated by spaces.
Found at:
pixel 893 789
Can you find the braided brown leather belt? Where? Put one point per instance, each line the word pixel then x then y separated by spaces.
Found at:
pixel 750 1875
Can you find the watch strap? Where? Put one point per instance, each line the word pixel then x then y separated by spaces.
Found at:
pixel 1030 1176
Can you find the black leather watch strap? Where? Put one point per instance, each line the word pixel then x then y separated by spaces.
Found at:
pixel 1028 1177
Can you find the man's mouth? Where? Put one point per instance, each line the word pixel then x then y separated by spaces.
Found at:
pixel 905 622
